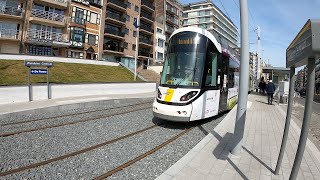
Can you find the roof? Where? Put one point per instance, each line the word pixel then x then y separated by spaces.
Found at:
pixel 277 70
pixel 200 31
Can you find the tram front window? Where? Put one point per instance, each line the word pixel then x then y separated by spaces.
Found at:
pixel 185 60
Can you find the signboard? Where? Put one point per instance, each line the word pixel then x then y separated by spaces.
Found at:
pixel 38 71
pixel 38 63
pixel 305 45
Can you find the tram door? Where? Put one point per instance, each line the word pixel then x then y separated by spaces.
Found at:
pixel 223 66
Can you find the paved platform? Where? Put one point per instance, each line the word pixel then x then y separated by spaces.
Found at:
pixel 211 159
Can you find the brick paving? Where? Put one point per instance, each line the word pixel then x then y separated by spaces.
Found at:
pixel 211 159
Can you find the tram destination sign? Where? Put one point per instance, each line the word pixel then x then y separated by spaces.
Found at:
pixel 38 63
pixel 305 45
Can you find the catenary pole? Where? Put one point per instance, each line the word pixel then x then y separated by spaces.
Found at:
pixel 244 80
pixel 136 24
pixel 288 119
pixel 306 119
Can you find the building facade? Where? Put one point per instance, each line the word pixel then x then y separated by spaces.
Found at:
pixel 84 29
pixel 208 16
pixel 169 17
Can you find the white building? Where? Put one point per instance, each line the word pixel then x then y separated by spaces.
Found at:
pixel 206 15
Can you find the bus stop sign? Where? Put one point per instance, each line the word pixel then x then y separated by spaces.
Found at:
pixel 305 45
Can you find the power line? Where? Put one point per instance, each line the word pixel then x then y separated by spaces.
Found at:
pixel 252 26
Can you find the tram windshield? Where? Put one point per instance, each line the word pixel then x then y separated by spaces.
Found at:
pixel 185 60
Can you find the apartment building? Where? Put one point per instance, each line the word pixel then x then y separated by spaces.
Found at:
pixel 206 15
pixel 11 23
pixel 120 34
pixel 169 17
pixel 45 29
pixel 85 25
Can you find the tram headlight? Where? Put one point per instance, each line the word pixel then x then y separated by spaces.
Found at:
pixel 188 96
pixel 159 94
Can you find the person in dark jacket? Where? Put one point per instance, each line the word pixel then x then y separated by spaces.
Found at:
pixel 270 88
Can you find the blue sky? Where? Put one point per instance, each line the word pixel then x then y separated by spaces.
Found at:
pixel 280 21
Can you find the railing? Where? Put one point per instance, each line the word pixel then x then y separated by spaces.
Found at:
pixel 114 32
pixel 95 3
pixel 11 11
pixel 47 15
pixel 171 19
pixel 78 20
pixel 34 34
pixel 170 29
pixel 170 9
pixel 146 54
pixel 143 14
pixel 147 28
pixel 118 3
pixel 147 41
pixel 148 4
pixel 61 1
pixel 112 48
pixel 9 34
pixel 116 16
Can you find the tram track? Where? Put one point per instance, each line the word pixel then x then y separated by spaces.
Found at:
pixel 78 121
pixel 35 165
pixel 73 114
pixel 140 157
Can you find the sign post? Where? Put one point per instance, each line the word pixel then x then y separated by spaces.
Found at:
pixel 30 64
pixel 304 49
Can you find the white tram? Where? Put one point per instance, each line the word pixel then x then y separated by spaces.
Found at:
pixel 199 79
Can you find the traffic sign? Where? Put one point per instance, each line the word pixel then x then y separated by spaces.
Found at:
pixel 38 71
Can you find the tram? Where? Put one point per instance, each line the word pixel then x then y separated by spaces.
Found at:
pixel 199 78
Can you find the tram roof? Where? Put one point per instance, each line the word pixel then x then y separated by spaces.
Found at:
pixel 200 31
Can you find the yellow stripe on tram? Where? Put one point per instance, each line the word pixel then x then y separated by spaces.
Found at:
pixel 169 95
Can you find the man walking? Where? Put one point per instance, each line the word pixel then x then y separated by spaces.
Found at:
pixel 270 90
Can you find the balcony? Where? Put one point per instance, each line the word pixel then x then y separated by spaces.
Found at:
pixel 96 3
pixel 145 41
pixel 172 20
pixel 63 4
pixel 48 38
pixel 117 4
pixel 10 12
pixel 9 35
pixel 113 49
pixel 46 17
pixel 147 5
pixel 146 16
pixel 114 33
pixel 115 18
pixel 145 54
pixel 169 29
pixel 171 11
pixel 146 29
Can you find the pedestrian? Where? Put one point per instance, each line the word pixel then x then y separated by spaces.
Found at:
pixel 270 88
pixel 261 85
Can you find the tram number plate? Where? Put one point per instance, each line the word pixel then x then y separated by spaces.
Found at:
pixel 169 95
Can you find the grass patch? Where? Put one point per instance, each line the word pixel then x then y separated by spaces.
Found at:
pixel 15 73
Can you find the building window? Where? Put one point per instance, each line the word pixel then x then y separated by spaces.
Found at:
pixel 133 47
pixel 126 31
pixel 128 5
pixel 91 39
pixel 125 45
pixel 134 33
pixel 93 18
pixel 136 8
pixel 160 56
pixel 159 30
pixel 72 54
pixel 40 50
pixel 127 17
pixel 160 42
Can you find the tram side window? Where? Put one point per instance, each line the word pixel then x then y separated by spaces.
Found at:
pixel 211 75
pixel 233 74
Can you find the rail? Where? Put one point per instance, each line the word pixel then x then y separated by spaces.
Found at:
pixel 147 28
pixel 11 11
pixel 114 32
pixel 148 4
pixel 116 16
pixel 47 15
pixel 147 41
pixel 113 48
pixel 47 35
pixel 148 16
pixel 9 34
pixel 118 3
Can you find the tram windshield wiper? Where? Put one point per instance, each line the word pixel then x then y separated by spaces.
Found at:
pixel 188 74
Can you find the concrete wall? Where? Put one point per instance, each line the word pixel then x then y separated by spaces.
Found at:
pixel 16 94
pixel 156 69
pixel 56 59
pixel 9 47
